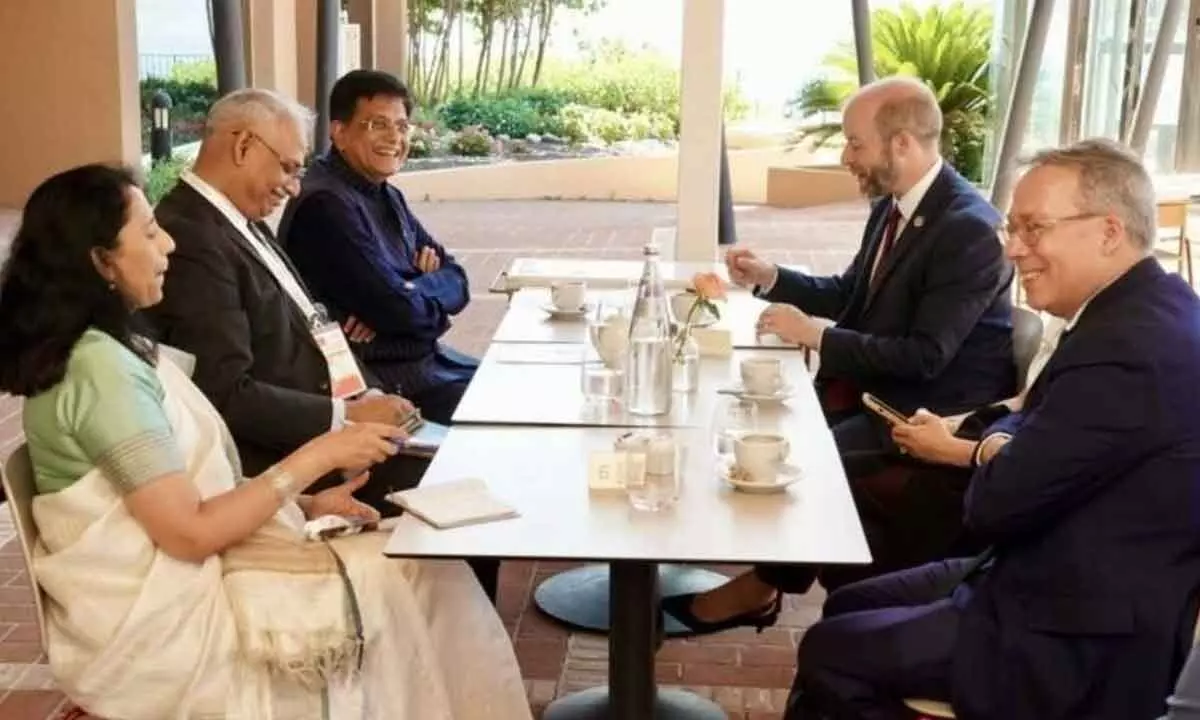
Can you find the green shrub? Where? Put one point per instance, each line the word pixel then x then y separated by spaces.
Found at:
pixel 947 46
pixel 501 116
pixel 616 78
pixel 575 123
pixel 190 101
pixel 472 141
pixel 162 177
pixel 581 123
pixel 422 141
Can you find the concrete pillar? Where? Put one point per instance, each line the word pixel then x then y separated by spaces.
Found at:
pixel 329 36
pixel 362 13
pixel 272 31
pixel 229 45
pixel 70 84
pixel 391 37
pixel 306 52
pixel 861 15
pixel 700 123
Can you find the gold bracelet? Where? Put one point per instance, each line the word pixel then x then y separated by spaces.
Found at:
pixel 283 483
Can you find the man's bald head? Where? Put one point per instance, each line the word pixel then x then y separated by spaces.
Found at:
pixel 901 105
pixel 892 127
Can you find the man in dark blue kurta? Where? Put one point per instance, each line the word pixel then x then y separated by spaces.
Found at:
pixel 364 254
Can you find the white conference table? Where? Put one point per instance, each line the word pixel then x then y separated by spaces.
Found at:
pixel 522 432
pixel 542 272
pixel 540 385
pixel 543 473
pixel 527 320
pixel 526 272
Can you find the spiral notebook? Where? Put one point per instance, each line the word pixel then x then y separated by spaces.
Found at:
pixel 454 504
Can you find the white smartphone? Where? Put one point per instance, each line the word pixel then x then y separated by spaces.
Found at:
pixel 883 410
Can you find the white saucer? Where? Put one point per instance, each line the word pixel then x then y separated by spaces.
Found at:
pixel 737 479
pixel 555 312
pixel 783 393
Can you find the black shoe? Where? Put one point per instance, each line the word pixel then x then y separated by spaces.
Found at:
pixel 680 608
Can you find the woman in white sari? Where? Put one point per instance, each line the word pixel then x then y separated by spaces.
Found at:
pixel 177 588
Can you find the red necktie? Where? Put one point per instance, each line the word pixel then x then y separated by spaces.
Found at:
pixel 889 240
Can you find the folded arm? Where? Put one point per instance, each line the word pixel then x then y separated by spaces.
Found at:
pixel 332 245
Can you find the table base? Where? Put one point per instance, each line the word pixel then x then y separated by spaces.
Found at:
pixel 668 705
pixel 579 598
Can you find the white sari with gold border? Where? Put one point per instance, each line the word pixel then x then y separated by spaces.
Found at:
pixel 137 635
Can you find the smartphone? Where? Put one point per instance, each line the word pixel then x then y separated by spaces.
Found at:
pixel 883 410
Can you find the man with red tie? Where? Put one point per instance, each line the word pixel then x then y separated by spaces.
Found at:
pixel 922 317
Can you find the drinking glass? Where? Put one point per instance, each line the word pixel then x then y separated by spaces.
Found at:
pixel 732 418
pixel 602 365
pixel 652 479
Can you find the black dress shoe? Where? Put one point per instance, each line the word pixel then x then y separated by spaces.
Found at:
pixel 680 608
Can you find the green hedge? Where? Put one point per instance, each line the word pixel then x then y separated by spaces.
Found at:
pixel 190 101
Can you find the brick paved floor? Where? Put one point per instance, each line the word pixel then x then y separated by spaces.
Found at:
pixel 747 674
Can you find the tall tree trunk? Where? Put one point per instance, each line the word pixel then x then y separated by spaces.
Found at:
pixel 515 49
pixel 503 54
pixel 443 62
pixel 439 54
pixel 462 53
pixel 533 12
pixel 543 38
pixel 485 51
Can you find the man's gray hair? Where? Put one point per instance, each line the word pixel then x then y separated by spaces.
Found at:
pixel 248 107
pixel 1111 179
pixel 908 105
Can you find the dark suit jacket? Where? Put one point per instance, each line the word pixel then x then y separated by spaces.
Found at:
pixel 1094 512
pixel 356 242
pixel 256 359
pixel 937 332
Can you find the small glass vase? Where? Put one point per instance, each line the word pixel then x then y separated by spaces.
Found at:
pixel 685 363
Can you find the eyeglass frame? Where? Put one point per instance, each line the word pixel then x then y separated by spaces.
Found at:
pixel 296 174
pixel 403 130
pixel 1032 232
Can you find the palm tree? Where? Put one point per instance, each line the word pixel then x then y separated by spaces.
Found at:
pixel 947 47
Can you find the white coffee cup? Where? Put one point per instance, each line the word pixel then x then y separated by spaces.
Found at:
pixel 568 295
pixel 762 376
pixel 760 455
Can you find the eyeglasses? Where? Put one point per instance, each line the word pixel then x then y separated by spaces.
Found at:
pixel 292 169
pixel 381 126
pixel 1031 232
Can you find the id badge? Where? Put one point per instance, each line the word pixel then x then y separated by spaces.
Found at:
pixel 345 379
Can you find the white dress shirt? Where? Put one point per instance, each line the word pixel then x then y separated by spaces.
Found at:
pixel 907 204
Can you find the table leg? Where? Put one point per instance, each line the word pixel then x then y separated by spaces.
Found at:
pixel 632 691
pixel 579 598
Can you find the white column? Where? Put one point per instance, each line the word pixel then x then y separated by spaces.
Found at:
pixel 273 59
pixel 362 12
pixel 70 86
pixel 700 130
pixel 391 37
